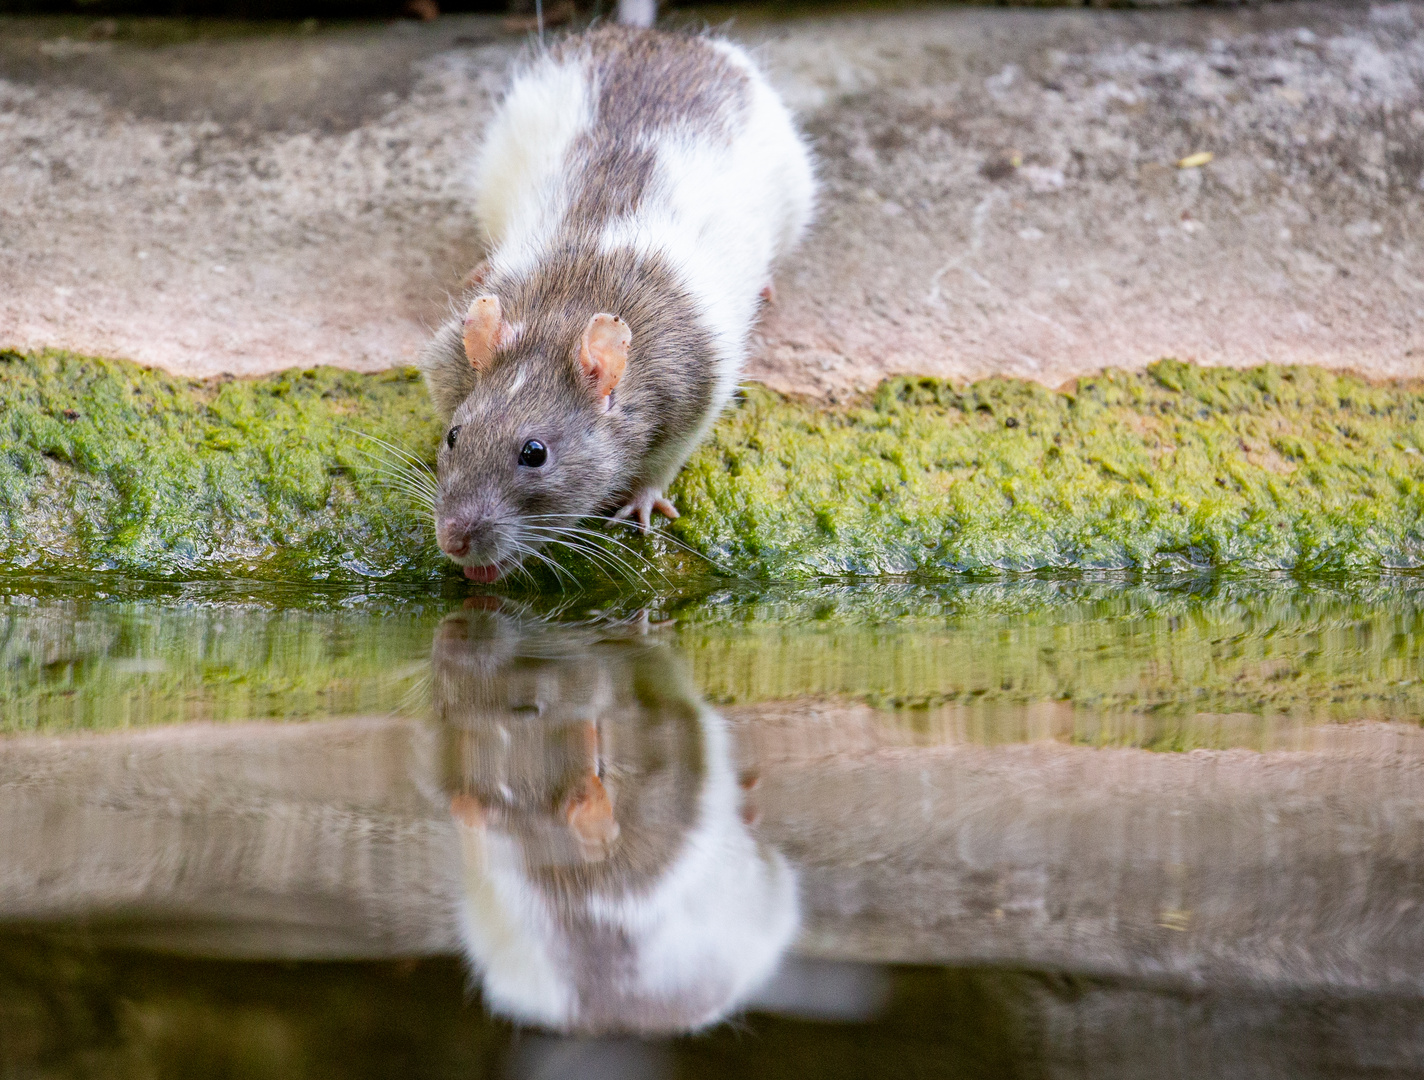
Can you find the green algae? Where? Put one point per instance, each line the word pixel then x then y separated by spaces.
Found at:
pixel 105 466
pixel 1177 467
pixel 108 466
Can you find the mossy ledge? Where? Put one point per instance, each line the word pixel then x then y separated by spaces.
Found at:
pixel 108 466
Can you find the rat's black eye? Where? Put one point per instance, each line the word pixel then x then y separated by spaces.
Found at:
pixel 534 454
pixel 451 436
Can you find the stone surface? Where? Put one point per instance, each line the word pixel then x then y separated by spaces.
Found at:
pixel 1299 242
pixel 1001 192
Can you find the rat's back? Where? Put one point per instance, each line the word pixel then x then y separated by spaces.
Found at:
pixel 665 144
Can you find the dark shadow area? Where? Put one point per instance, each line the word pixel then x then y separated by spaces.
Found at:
pixel 242 9
pixel 71 1010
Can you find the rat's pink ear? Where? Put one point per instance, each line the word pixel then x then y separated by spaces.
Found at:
pixel 486 331
pixel 603 352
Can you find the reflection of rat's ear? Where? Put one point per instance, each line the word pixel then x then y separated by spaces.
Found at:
pixel 589 813
pixel 603 353
pixel 486 331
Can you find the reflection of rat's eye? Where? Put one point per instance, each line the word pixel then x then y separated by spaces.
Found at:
pixel 534 454
pixel 451 436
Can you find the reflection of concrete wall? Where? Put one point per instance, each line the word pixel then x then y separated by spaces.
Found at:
pixel 1294 867
pixel 275 840
pixel 331 839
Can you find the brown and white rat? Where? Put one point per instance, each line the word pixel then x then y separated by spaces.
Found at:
pixel 611 881
pixel 637 187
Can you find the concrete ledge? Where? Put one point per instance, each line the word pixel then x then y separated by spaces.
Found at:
pixel 1001 191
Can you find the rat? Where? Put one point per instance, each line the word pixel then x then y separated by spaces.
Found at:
pixel 637 187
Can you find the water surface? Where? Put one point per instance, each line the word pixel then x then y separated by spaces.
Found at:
pixel 1073 826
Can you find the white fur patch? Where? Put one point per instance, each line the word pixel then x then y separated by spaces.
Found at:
pixel 727 906
pixel 722 214
pixel 507 930
pixel 522 190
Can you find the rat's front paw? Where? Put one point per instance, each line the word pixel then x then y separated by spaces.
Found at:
pixel 642 505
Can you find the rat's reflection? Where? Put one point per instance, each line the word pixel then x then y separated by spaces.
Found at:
pixel 611 881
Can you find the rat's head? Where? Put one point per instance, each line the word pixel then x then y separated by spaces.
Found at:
pixel 529 440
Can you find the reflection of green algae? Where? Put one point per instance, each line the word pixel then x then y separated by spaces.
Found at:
pixel 108 466
pixel 1172 664
pixel 78 656
pixel 1178 466
pixel 1202 662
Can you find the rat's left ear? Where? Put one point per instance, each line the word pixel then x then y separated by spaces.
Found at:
pixel 486 331
pixel 603 353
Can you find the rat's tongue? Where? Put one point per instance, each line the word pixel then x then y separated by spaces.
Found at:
pixel 482 573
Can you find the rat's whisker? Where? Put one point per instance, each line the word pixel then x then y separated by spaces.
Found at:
pixel 396 473
pixel 663 535
pixel 590 538
pixel 528 551
pixel 604 559
pixel 598 537
pixel 387 467
pixel 420 500
pixel 392 448
pixel 571 530
pixel 561 572
pixel 586 546
pixel 409 484
pixel 607 563
pixel 403 478
pixel 597 540
pixel 523 573
pixel 417 695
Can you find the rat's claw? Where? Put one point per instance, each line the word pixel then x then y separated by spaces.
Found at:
pixel 642 506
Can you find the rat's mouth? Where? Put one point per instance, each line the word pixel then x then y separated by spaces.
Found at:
pixel 482 574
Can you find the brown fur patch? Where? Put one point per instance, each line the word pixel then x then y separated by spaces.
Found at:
pixel 648 82
pixel 667 385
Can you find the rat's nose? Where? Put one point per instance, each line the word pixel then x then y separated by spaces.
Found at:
pixel 453 537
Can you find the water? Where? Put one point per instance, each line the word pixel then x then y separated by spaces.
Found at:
pixel 1045 827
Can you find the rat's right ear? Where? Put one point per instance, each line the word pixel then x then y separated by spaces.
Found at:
pixel 486 331
pixel 603 353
